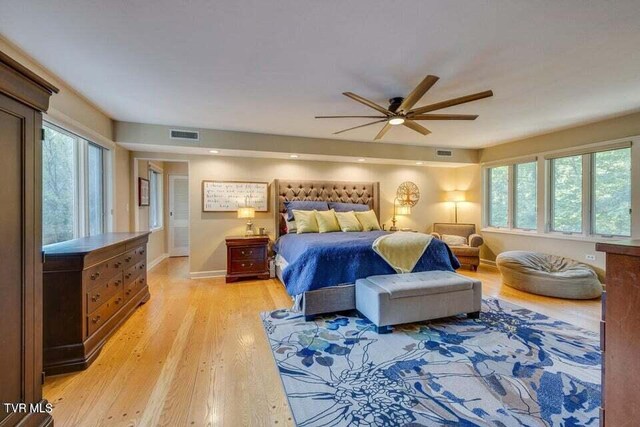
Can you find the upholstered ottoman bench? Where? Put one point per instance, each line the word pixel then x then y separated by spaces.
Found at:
pixel 394 299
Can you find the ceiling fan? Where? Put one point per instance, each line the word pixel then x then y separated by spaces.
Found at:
pixel 400 110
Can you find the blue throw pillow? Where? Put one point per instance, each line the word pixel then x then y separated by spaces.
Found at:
pixel 304 205
pixel 348 207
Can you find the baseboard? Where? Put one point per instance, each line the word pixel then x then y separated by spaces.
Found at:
pixel 207 274
pixel 487 262
pixel 157 261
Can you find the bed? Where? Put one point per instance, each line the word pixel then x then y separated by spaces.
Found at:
pixel 319 270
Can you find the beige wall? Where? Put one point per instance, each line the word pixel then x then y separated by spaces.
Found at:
pixel 607 130
pixel 122 190
pixel 208 230
pixel 156 138
pixel 67 105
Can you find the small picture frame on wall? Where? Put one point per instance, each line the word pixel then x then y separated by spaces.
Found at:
pixel 143 192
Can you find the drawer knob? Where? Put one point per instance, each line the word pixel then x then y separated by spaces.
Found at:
pixel 141 266
pixel 95 275
pixel 95 298
pixel 250 265
pixel 117 264
pixel 118 282
pixel 96 319
pixel 142 252
pixel 127 259
pixel 119 300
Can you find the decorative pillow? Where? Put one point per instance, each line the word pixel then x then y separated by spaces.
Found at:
pixel 368 220
pixel 304 205
pixel 452 240
pixel 348 221
pixel 305 221
pixel 327 221
pixel 289 226
pixel 348 207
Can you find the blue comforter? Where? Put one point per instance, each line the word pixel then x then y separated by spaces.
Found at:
pixel 318 260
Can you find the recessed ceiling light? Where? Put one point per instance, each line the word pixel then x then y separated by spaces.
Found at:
pixel 419 163
pixel 361 160
pixel 395 121
pixel 293 156
pixel 214 151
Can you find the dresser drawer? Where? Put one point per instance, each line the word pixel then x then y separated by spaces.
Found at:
pixel 247 266
pixel 140 253
pixel 134 287
pixel 102 292
pixel 132 273
pixel 98 318
pixel 129 258
pixel 248 253
pixel 99 274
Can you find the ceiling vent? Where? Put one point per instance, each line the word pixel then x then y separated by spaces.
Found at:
pixel 189 135
pixel 441 152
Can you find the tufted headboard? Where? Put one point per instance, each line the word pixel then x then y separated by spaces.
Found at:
pixel 285 190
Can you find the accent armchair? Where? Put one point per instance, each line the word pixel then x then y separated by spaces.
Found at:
pixel 467 254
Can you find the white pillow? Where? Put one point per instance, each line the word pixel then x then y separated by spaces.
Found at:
pixel 452 240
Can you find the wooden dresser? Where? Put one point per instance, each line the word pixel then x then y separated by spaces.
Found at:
pixel 247 257
pixel 23 98
pixel 620 335
pixel 91 286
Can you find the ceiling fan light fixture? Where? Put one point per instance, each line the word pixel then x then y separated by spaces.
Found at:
pixel 395 121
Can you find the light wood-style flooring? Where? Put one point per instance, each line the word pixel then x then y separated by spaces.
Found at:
pixel 196 355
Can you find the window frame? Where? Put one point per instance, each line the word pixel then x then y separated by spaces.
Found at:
pixel 81 226
pixel 514 193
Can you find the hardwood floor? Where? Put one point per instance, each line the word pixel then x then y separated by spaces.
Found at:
pixel 196 354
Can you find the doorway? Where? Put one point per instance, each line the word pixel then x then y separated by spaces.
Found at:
pixel 178 215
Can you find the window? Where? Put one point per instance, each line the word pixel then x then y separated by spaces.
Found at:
pixel 526 196
pixel 612 193
pixel 499 196
pixel 566 194
pixel 59 186
pixel 513 206
pixel 155 199
pixel 96 189
pixel 591 193
pixel 73 186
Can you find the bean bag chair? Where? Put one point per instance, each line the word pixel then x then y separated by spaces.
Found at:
pixel 549 275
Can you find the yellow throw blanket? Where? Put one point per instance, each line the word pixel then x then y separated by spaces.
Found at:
pixel 402 250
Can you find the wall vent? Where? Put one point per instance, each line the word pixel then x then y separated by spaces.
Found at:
pixel 190 135
pixel 441 152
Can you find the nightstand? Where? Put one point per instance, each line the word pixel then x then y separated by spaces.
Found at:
pixel 247 257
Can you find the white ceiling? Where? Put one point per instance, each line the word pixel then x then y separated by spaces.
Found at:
pixel 270 66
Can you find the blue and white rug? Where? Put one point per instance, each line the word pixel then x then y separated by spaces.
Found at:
pixel 512 367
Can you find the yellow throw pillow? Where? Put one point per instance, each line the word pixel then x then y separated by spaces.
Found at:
pixel 368 220
pixel 327 221
pixel 348 221
pixel 305 221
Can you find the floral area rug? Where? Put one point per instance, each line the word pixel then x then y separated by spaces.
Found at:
pixel 511 367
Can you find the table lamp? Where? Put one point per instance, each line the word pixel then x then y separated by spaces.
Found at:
pixel 249 213
pixel 456 197
pixel 398 209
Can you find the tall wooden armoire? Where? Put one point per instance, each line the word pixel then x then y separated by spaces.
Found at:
pixel 23 98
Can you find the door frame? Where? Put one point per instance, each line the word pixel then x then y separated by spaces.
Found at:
pixel 171 179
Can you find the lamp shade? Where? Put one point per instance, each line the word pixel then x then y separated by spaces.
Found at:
pixel 403 210
pixel 455 196
pixel 246 212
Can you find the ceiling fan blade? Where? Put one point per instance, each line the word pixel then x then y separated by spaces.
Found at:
pixel 353 117
pixel 415 126
pixel 418 93
pixel 384 130
pixel 452 102
pixel 361 126
pixel 443 117
pixel 368 103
